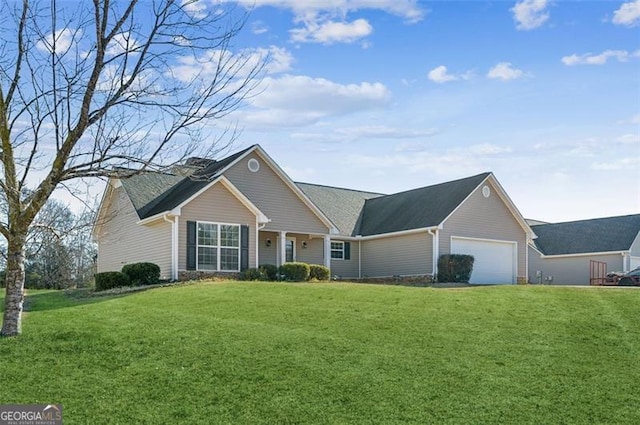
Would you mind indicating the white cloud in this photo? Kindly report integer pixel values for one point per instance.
(63, 39)
(259, 27)
(440, 75)
(530, 14)
(293, 100)
(617, 164)
(601, 59)
(205, 67)
(330, 32)
(505, 71)
(628, 14)
(629, 138)
(121, 43)
(195, 8)
(407, 9)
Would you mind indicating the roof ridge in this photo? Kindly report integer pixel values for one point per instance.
(487, 173)
(586, 220)
(342, 188)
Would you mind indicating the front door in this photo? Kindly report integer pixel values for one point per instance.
(290, 250)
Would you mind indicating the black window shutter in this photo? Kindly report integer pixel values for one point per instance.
(347, 250)
(191, 245)
(244, 248)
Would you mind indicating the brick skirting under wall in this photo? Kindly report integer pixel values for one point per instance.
(201, 275)
(420, 280)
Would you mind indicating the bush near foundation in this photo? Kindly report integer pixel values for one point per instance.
(455, 268)
(142, 273)
(318, 272)
(295, 272)
(110, 280)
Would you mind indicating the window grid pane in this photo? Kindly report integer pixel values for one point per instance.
(207, 234)
(229, 235)
(229, 259)
(337, 250)
(207, 258)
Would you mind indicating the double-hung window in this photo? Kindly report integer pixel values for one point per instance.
(337, 250)
(218, 247)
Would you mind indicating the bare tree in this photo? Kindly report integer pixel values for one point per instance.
(88, 89)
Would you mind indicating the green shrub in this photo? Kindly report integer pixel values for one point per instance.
(318, 272)
(142, 273)
(455, 268)
(252, 274)
(295, 272)
(108, 280)
(269, 272)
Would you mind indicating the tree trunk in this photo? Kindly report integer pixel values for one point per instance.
(14, 295)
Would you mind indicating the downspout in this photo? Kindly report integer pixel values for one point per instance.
(359, 257)
(435, 240)
(174, 243)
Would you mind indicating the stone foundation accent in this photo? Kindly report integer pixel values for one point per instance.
(202, 275)
(522, 280)
(419, 280)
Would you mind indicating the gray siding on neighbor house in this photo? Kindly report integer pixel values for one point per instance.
(635, 246)
(572, 270)
(217, 205)
(485, 218)
(404, 255)
(346, 268)
(121, 241)
(274, 198)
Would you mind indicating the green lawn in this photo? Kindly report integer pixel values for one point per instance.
(331, 353)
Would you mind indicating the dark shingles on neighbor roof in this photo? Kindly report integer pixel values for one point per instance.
(166, 191)
(341, 206)
(417, 208)
(595, 235)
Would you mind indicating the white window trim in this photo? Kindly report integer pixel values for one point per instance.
(331, 250)
(218, 246)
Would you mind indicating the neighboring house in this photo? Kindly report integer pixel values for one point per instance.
(564, 253)
(243, 211)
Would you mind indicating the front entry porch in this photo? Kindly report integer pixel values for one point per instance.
(281, 247)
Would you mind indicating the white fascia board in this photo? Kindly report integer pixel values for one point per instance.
(585, 254)
(390, 234)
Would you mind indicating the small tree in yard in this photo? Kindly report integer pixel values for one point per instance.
(97, 89)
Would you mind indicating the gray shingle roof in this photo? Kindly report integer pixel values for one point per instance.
(147, 186)
(366, 213)
(595, 235)
(341, 206)
(153, 193)
(417, 208)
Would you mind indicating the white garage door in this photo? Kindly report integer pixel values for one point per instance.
(494, 261)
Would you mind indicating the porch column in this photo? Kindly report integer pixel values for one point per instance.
(282, 248)
(327, 251)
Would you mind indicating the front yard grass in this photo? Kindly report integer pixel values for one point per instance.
(267, 353)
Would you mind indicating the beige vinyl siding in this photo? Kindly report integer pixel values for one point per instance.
(313, 253)
(485, 218)
(268, 254)
(274, 198)
(346, 268)
(404, 255)
(572, 270)
(216, 205)
(121, 241)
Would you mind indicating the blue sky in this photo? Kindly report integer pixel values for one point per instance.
(389, 95)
